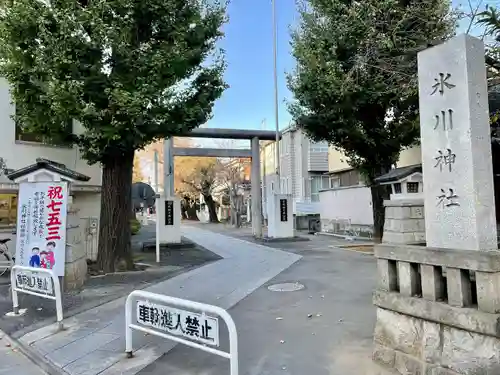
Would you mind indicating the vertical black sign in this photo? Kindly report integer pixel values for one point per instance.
(169, 212)
(283, 210)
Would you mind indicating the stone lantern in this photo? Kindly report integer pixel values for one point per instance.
(404, 211)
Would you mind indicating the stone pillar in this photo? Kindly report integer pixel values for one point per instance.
(75, 270)
(456, 146)
(280, 216)
(168, 213)
(438, 306)
(404, 221)
(256, 190)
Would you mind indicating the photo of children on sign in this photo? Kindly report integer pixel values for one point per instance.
(41, 225)
(45, 258)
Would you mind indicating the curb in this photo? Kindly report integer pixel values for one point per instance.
(352, 250)
(110, 298)
(35, 358)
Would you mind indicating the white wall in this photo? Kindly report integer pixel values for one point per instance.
(354, 203)
(89, 206)
(19, 154)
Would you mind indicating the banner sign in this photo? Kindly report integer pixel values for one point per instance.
(41, 225)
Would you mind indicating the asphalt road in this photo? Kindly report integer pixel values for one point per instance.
(324, 329)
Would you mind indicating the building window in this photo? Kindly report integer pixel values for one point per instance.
(334, 182)
(349, 178)
(26, 136)
(318, 183)
(397, 188)
(8, 210)
(345, 179)
(412, 187)
(319, 146)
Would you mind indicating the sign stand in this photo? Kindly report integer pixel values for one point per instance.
(42, 214)
(35, 290)
(165, 320)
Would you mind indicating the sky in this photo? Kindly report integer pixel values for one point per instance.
(248, 46)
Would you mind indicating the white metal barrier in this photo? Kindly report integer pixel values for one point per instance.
(36, 285)
(160, 316)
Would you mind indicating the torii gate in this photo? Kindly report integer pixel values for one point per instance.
(215, 133)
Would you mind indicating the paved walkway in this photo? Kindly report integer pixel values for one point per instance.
(93, 342)
(326, 328)
(12, 361)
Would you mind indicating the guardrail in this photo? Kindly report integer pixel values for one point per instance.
(197, 325)
(28, 280)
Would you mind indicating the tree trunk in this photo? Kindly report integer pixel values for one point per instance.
(116, 206)
(212, 212)
(379, 194)
(184, 207)
(378, 197)
(191, 213)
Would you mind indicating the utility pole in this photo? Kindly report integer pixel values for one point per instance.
(276, 117)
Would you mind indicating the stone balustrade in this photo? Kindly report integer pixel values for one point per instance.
(457, 278)
(436, 305)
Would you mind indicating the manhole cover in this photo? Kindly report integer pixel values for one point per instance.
(286, 287)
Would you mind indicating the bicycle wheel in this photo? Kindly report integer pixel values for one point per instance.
(5, 263)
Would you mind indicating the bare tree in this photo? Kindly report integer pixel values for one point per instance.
(477, 18)
(231, 177)
(201, 178)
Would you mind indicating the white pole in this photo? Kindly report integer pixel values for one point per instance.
(157, 183)
(157, 237)
(275, 71)
(157, 206)
(265, 188)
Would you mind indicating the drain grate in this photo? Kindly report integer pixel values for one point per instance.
(286, 287)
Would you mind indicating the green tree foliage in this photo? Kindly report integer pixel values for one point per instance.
(355, 84)
(129, 71)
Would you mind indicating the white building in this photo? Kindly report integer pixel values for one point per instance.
(346, 204)
(20, 150)
(303, 164)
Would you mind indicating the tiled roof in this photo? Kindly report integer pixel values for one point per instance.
(49, 165)
(399, 173)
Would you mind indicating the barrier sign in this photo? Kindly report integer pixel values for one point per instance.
(38, 282)
(197, 327)
(182, 321)
(34, 281)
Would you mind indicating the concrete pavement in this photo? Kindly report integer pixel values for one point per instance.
(12, 361)
(324, 329)
(93, 342)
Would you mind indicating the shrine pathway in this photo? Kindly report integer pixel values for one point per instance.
(13, 361)
(324, 329)
(94, 343)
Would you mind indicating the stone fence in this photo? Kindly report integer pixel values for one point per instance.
(437, 310)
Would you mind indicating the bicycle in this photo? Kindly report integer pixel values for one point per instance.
(6, 260)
